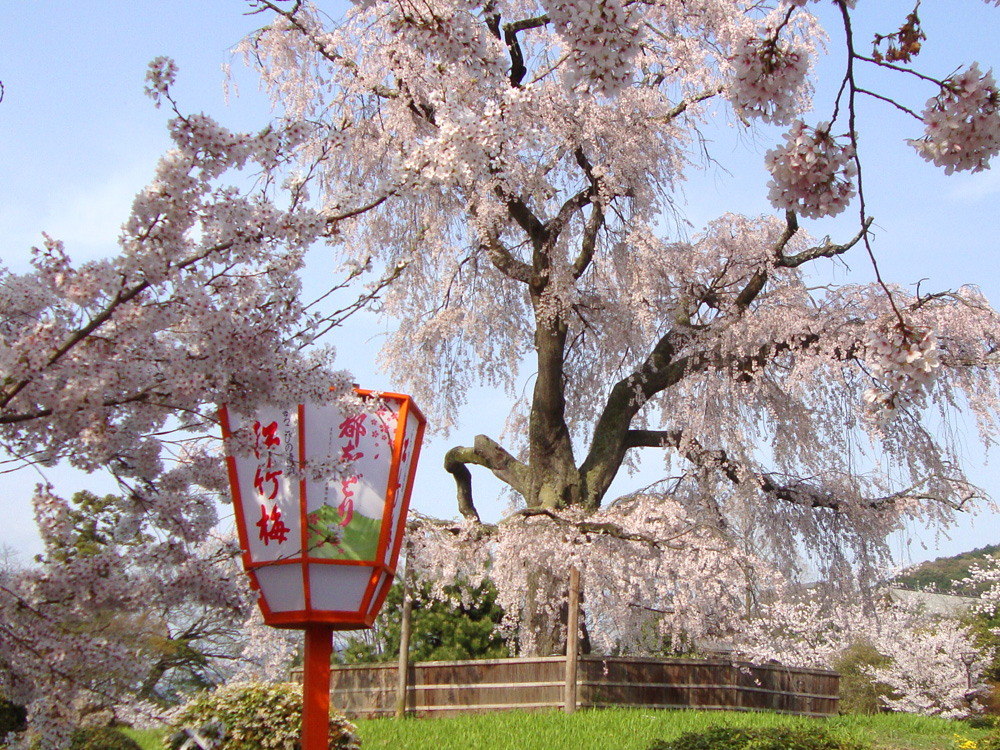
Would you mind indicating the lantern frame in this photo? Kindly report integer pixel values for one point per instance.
(383, 565)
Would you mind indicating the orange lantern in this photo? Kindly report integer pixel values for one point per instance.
(320, 497)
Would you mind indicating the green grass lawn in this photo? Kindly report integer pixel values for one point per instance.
(636, 729)
(629, 729)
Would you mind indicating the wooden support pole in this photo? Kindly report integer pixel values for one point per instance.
(316, 687)
(404, 649)
(572, 640)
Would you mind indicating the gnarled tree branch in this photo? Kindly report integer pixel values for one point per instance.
(491, 455)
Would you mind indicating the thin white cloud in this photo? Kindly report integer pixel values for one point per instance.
(974, 187)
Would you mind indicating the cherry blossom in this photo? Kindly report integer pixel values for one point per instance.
(603, 41)
(929, 670)
(768, 76)
(905, 361)
(962, 123)
(811, 173)
(161, 75)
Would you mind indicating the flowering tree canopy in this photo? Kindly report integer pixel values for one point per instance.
(521, 158)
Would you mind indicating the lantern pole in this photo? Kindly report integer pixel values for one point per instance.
(316, 687)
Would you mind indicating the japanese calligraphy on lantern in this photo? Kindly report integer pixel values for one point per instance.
(267, 483)
(321, 493)
(346, 515)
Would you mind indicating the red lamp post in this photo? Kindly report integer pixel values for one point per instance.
(322, 551)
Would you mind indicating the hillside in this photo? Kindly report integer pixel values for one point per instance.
(941, 574)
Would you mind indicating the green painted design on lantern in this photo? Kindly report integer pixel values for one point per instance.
(327, 539)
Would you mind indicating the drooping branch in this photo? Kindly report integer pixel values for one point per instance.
(605, 528)
(797, 491)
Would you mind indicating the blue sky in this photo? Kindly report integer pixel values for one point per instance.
(78, 139)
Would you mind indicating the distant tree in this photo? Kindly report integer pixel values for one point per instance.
(462, 625)
(948, 574)
(897, 656)
(148, 621)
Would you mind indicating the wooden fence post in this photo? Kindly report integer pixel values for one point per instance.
(572, 639)
(404, 649)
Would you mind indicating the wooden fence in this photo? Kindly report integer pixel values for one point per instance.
(445, 688)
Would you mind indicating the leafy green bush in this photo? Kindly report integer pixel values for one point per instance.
(859, 693)
(254, 716)
(439, 630)
(764, 738)
(102, 738)
(981, 721)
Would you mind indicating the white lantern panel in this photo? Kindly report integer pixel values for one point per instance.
(402, 476)
(282, 587)
(268, 485)
(338, 588)
(344, 513)
(378, 590)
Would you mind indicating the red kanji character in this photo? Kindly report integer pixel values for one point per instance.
(277, 531)
(271, 439)
(346, 507)
(346, 510)
(353, 428)
(270, 434)
(348, 453)
(269, 476)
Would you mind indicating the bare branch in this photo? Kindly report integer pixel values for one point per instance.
(491, 455)
(826, 250)
(588, 243)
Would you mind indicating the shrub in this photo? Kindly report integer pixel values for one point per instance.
(768, 738)
(859, 693)
(981, 721)
(102, 738)
(13, 718)
(254, 716)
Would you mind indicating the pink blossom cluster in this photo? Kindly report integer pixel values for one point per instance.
(962, 123)
(811, 173)
(906, 361)
(161, 75)
(766, 78)
(985, 577)
(639, 590)
(120, 364)
(602, 40)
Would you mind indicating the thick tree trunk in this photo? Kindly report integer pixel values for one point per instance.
(554, 477)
